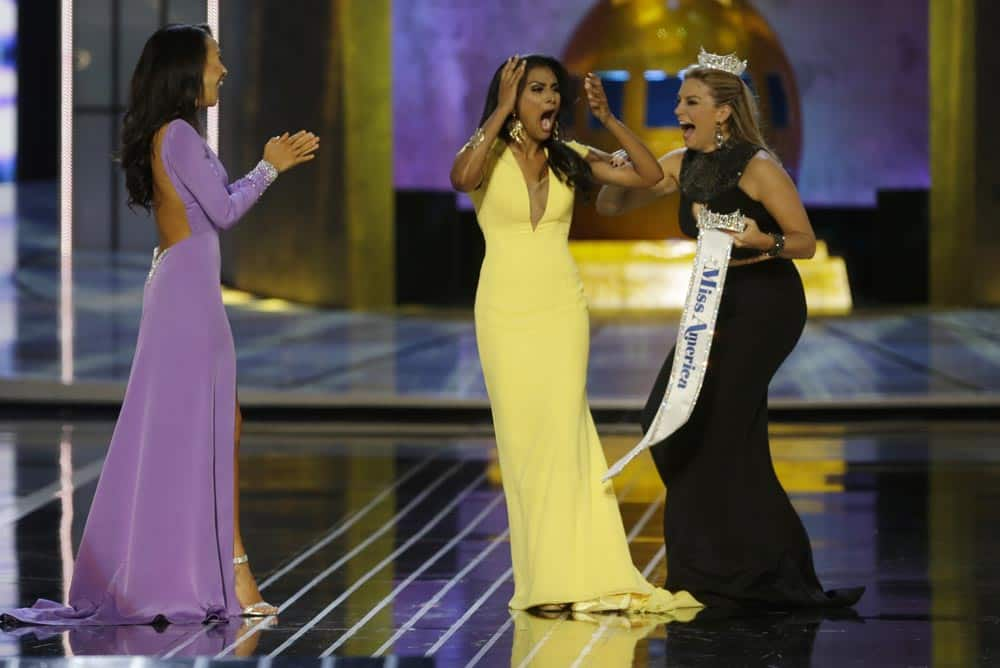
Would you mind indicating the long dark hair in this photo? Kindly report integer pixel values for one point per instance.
(568, 165)
(166, 85)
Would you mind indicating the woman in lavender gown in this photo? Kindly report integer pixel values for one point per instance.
(162, 541)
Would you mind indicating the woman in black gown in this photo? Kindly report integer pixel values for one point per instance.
(731, 533)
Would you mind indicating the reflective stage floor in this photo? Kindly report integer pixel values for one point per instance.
(396, 548)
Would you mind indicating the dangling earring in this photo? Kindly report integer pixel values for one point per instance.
(555, 131)
(516, 130)
(719, 139)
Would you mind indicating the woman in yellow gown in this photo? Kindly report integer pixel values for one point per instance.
(567, 539)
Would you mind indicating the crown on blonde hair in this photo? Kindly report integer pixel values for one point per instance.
(714, 61)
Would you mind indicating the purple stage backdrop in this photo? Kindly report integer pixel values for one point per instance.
(861, 67)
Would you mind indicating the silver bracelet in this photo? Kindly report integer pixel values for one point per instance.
(477, 138)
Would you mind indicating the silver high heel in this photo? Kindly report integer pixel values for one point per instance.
(259, 608)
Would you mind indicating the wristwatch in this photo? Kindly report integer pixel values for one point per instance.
(779, 245)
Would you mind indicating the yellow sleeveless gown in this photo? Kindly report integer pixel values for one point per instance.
(567, 540)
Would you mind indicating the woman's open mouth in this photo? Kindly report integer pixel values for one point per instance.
(687, 129)
(548, 120)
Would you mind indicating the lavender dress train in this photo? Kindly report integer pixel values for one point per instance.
(158, 543)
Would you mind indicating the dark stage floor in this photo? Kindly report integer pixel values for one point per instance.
(395, 547)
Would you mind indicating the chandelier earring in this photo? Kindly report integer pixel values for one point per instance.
(516, 130)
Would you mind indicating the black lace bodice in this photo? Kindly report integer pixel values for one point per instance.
(713, 179)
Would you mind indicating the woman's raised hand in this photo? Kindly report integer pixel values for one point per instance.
(287, 151)
(596, 98)
(510, 78)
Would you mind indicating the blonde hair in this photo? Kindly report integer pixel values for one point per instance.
(728, 89)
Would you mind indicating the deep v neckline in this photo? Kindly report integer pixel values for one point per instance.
(527, 187)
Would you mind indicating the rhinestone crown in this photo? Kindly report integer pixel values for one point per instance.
(709, 220)
(729, 63)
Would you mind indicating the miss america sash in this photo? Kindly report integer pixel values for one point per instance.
(694, 336)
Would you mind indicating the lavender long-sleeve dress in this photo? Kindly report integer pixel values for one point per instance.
(158, 542)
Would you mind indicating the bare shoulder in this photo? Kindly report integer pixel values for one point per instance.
(764, 172)
(671, 162)
(674, 156)
(764, 166)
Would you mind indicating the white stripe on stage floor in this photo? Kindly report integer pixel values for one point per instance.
(331, 535)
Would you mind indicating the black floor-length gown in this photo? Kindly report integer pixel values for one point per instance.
(731, 533)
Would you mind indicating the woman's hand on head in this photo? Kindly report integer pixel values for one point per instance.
(287, 151)
(510, 79)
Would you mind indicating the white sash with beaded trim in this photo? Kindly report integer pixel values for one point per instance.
(694, 335)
